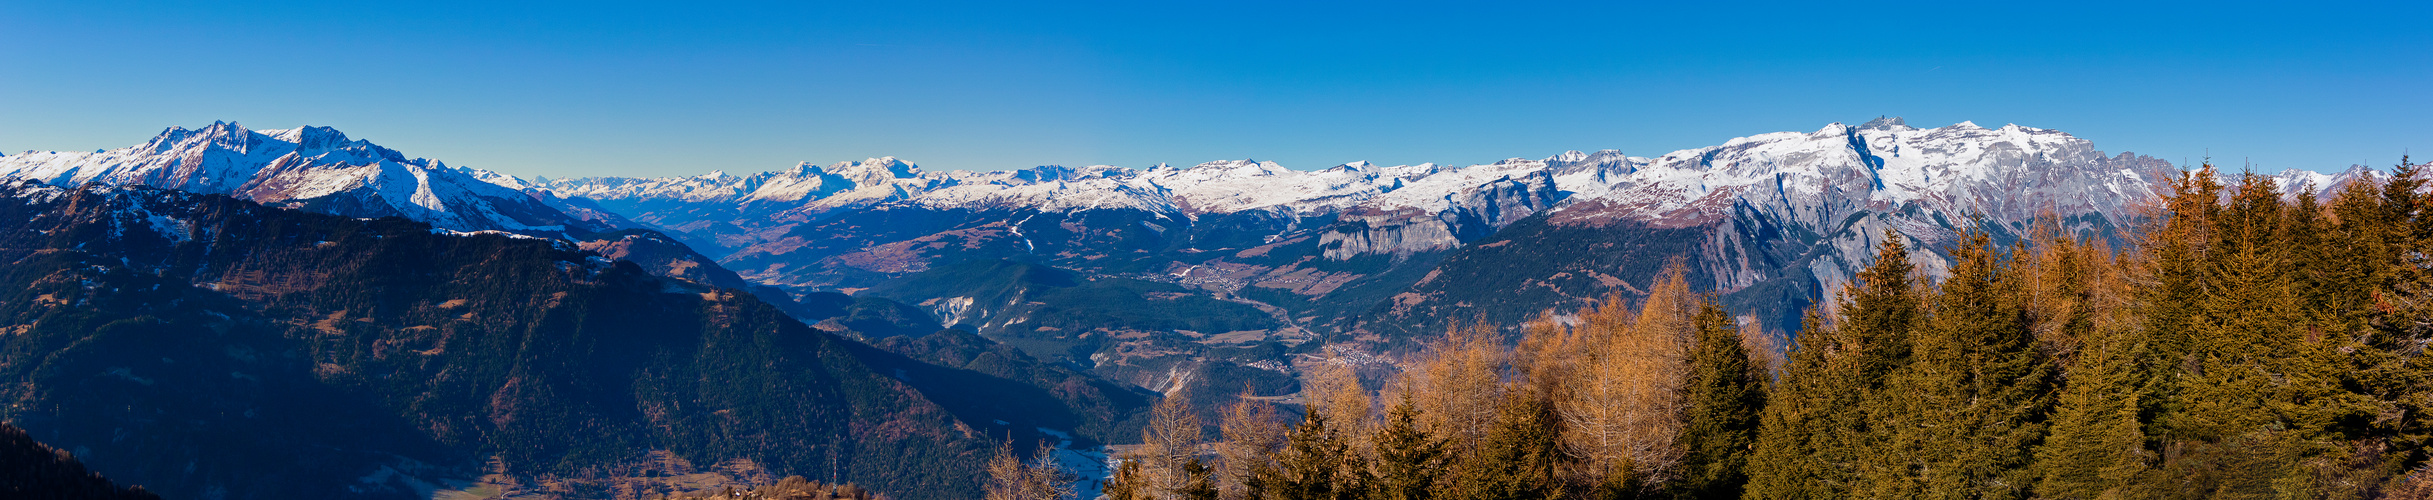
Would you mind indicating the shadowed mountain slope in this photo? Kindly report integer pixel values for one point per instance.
(207, 346)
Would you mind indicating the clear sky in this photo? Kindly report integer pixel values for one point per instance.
(672, 88)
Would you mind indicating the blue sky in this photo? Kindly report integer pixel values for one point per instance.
(663, 88)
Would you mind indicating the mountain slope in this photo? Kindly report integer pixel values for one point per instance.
(29, 469)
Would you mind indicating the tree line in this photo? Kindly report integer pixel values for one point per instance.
(2241, 344)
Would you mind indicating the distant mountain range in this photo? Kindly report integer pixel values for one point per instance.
(309, 168)
(1072, 283)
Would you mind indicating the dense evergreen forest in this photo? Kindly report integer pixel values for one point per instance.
(32, 470)
(2241, 345)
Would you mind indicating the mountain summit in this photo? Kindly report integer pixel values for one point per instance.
(310, 168)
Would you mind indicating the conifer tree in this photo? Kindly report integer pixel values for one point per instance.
(1616, 383)
(1170, 441)
(2389, 361)
(1725, 399)
(2096, 446)
(1519, 457)
(1960, 418)
(2260, 400)
(1795, 435)
(1317, 464)
(1835, 374)
(1200, 481)
(1008, 479)
(1011, 478)
(1458, 383)
(2176, 247)
(1337, 391)
(2240, 318)
(1878, 313)
(1126, 483)
(1247, 457)
(1409, 461)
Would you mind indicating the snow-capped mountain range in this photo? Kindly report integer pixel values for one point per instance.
(1358, 256)
(1806, 180)
(1791, 204)
(311, 168)
(1957, 167)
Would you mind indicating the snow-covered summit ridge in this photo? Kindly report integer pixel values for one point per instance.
(312, 168)
(1212, 187)
(1827, 174)
(1883, 162)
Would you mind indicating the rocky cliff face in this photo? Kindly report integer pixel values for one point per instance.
(1779, 220)
(1389, 234)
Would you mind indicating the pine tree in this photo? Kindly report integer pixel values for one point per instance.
(2096, 447)
(2176, 247)
(2388, 361)
(2260, 403)
(1409, 461)
(1725, 399)
(1519, 457)
(1317, 464)
(1879, 313)
(1795, 436)
(1960, 418)
(1817, 435)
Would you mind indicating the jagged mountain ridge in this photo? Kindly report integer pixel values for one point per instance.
(1354, 250)
(741, 211)
(315, 169)
(1370, 256)
(1776, 221)
(1803, 181)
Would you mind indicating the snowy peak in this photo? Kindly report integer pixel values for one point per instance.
(312, 138)
(1882, 162)
(876, 171)
(2294, 183)
(312, 168)
(1847, 185)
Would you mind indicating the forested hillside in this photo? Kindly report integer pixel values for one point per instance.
(30, 470)
(210, 347)
(2245, 345)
